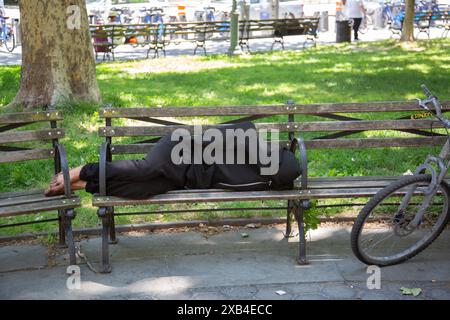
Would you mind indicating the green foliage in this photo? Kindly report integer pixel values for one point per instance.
(311, 216)
(340, 73)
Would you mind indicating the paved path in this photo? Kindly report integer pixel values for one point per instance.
(126, 52)
(188, 265)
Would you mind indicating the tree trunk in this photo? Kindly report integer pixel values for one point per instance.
(408, 23)
(58, 64)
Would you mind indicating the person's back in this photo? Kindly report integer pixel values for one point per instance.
(353, 9)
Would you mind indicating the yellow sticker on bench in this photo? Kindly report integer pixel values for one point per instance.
(421, 115)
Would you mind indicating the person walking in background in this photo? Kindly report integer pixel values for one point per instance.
(2, 9)
(354, 9)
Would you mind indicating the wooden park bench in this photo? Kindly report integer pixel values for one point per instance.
(158, 36)
(106, 38)
(200, 33)
(36, 143)
(423, 21)
(441, 19)
(277, 29)
(305, 127)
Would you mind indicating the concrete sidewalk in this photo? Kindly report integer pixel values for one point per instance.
(192, 265)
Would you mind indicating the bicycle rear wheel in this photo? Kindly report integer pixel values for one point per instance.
(382, 234)
(10, 42)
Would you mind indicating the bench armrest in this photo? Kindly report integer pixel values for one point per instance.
(299, 143)
(105, 152)
(61, 155)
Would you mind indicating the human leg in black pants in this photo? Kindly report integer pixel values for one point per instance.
(122, 180)
(155, 174)
(356, 24)
(131, 186)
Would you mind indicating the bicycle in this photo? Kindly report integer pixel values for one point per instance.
(415, 208)
(7, 36)
(366, 23)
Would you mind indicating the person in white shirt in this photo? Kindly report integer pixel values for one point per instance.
(354, 9)
(2, 8)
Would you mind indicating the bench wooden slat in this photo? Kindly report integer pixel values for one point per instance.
(374, 143)
(408, 142)
(317, 126)
(35, 154)
(393, 106)
(238, 196)
(25, 117)
(143, 148)
(225, 196)
(43, 206)
(310, 126)
(5, 195)
(23, 136)
(31, 198)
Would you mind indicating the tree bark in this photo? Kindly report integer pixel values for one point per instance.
(58, 64)
(408, 23)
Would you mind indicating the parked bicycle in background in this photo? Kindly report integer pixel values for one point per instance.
(7, 35)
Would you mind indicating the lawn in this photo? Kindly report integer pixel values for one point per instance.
(325, 74)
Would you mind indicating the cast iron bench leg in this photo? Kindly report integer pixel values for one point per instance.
(62, 232)
(112, 227)
(301, 234)
(69, 215)
(103, 214)
(288, 219)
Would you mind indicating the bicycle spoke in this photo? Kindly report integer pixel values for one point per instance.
(385, 240)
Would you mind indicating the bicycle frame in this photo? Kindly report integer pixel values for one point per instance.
(442, 162)
(4, 30)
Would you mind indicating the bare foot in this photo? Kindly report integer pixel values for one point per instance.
(54, 189)
(57, 183)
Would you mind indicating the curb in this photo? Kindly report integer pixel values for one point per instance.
(169, 225)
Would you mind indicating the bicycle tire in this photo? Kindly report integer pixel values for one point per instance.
(7, 44)
(377, 199)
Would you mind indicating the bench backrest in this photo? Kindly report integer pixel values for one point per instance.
(116, 34)
(292, 120)
(20, 145)
(281, 27)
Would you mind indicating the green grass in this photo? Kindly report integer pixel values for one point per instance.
(341, 73)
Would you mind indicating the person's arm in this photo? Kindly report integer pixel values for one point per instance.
(363, 9)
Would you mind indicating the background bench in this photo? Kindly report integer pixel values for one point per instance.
(277, 29)
(158, 36)
(323, 126)
(423, 21)
(38, 142)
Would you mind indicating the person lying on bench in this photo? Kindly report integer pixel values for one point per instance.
(157, 173)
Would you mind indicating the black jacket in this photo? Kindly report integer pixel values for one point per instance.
(227, 176)
(157, 173)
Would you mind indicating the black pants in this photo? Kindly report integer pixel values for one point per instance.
(127, 179)
(356, 24)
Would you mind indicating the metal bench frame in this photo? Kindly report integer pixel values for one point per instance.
(298, 199)
(34, 201)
